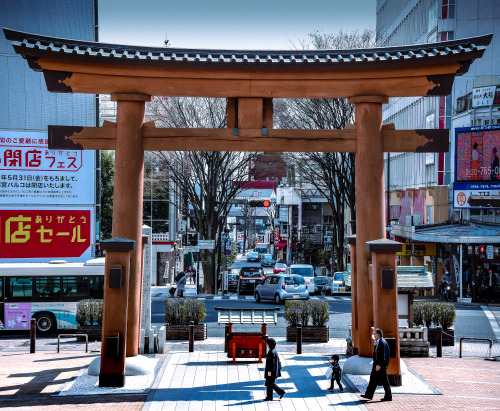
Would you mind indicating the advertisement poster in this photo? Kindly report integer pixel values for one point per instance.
(31, 173)
(463, 191)
(17, 316)
(41, 235)
(477, 154)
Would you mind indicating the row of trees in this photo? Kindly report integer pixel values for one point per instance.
(208, 180)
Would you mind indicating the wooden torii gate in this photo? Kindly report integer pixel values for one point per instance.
(249, 80)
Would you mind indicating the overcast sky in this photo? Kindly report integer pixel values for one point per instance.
(229, 24)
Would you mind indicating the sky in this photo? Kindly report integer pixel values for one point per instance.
(228, 24)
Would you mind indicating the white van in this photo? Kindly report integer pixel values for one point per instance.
(306, 271)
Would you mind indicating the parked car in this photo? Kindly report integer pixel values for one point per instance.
(320, 284)
(306, 271)
(282, 287)
(268, 260)
(335, 284)
(252, 256)
(249, 278)
(279, 268)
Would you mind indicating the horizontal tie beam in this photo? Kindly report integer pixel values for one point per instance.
(252, 140)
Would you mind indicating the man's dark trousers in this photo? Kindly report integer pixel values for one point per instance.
(376, 378)
(271, 386)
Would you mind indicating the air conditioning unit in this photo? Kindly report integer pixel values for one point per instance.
(417, 219)
(409, 220)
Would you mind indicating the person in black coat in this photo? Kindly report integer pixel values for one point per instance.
(272, 371)
(381, 357)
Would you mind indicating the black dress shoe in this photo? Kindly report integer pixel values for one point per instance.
(267, 399)
(386, 399)
(281, 396)
(366, 396)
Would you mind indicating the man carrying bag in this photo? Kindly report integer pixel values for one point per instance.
(381, 357)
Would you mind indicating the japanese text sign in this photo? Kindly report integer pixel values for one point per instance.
(44, 233)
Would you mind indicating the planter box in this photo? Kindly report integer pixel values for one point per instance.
(93, 331)
(448, 336)
(181, 332)
(309, 334)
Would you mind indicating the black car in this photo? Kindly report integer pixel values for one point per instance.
(232, 282)
(250, 277)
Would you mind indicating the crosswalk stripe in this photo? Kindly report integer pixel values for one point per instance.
(249, 297)
(217, 297)
(233, 297)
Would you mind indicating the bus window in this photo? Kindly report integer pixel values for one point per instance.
(19, 289)
(48, 288)
(75, 288)
(97, 287)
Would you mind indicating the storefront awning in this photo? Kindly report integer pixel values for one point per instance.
(472, 233)
(281, 245)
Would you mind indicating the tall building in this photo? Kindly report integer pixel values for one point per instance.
(423, 194)
(48, 198)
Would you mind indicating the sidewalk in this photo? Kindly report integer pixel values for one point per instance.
(207, 380)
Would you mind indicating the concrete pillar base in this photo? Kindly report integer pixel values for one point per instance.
(138, 365)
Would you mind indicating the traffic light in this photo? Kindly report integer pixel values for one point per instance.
(259, 203)
(97, 250)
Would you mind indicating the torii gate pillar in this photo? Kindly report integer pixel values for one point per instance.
(127, 202)
(370, 215)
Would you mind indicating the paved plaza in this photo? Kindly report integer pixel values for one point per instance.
(207, 380)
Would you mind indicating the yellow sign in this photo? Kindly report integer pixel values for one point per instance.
(418, 249)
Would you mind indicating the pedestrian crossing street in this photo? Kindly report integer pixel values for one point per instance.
(251, 297)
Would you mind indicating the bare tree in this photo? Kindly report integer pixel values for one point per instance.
(207, 180)
(332, 174)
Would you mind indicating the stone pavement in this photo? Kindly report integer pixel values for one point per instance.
(206, 380)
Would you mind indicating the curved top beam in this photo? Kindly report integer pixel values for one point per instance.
(90, 67)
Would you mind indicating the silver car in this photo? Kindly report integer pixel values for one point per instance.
(282, 287)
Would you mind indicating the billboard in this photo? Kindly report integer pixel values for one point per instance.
(31, 173)
(41, 235)
(477, 151)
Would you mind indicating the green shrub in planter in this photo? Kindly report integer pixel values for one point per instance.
(319, 313)
(180, 311)
(428, 314)
(445, 315)
(418, 314)
(292, 313)
(173, 311)
(194, 310)
(89, 312)
(305, 312)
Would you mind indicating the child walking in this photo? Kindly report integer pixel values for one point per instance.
(337, 373)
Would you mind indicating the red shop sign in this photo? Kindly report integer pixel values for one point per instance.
(44, 233)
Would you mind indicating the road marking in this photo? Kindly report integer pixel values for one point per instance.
(314, 298)
(249, 297)
(233, 297)
(217, 297)
(493, 321)
(346, 298)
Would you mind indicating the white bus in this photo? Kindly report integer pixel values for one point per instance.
(47, 292)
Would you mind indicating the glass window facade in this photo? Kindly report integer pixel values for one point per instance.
(25, 103)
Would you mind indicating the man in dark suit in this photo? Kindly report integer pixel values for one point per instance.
(381, 357)
(272, 371)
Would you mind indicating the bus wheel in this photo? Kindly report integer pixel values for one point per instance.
(45, 322)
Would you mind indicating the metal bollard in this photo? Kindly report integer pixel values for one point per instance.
(439, 341)
(191, 336)
(299, 338)
(32, 335)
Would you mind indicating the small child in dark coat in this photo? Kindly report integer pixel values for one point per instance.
(337, 373)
